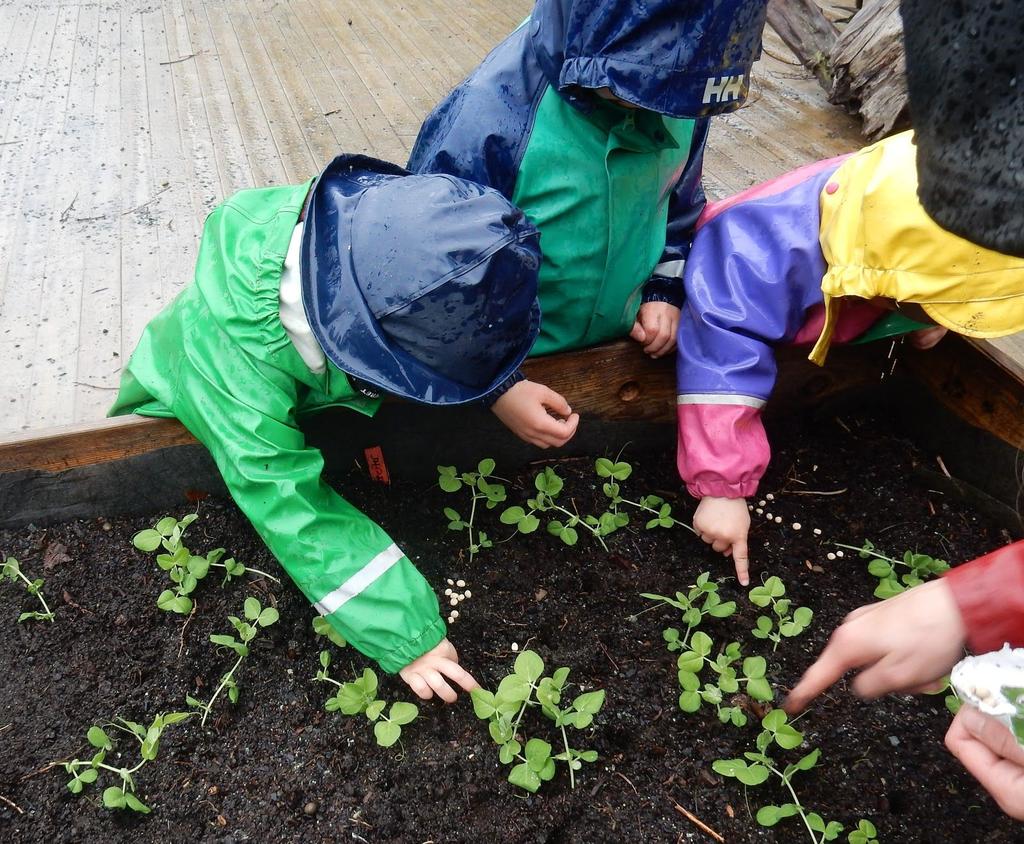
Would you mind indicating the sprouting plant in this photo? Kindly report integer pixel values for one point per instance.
(12, 571)
(751, 674)
(658, 510)
(700, 600)
(360, 696)
(865, 833)
(504, 709)
(757, 767)
(256, 617)
(86, 772)
(787, 622)
(184, 568)
(322, 627)
(483, 489)
(920, 567)
(549, 485)
(950, 698)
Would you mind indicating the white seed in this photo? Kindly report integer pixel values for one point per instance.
(455, 613)
(770, 497)
(468, 594)
(830, 556)
(461, 598)
(817, 531)
(515, 646)
(460, 583)
(453, 601)
(814, 468)
(759, 511)
(451, 582)
(448, 592)
(750, 506)
(778, 520)
(761, 503)
(839, 553)
(797, 525)
(769, 516)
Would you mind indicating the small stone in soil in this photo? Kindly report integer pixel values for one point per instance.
(311, 807)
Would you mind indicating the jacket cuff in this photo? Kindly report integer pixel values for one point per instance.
(989, 592)
(661, 289)
(502, 388)
(394, 661)
(722, 489)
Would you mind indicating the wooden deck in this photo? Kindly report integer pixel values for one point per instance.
(123, 123)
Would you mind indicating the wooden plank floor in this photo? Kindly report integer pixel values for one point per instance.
(123, 122)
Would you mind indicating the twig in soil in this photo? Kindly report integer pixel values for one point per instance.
(42, 770)
(13, 805)
(628, 781)
(814, 491)
(604, 650)
(843, 425)
(71, 603)
(697, 822)
(67, 211)
(6, 727)
(181, 636)
(942, 466)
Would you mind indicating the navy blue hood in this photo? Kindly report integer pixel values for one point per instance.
(423, 286)
(680, 58)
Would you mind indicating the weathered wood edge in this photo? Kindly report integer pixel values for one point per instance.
(614, 382)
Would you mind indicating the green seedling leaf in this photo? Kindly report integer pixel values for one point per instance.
(386, 733)
(537, 754)
(771, 815)
(323, 627)
(501, 731)
(508, 752)
(888, 588)
(529, 665)
(97, 737)
(514, 687)
(374, 710)
(267, 616)
(113, 797)
(147, 540)
(689, 701)
(405, 713)
(136, 805)
(483, 703)
(448, 479)
(760, 689)
(754, 667)
(524, 778)
(880, 568)
(251, 608)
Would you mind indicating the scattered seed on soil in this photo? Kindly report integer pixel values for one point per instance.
(830, 556)
(468, 594)
(797, 525)
(839, 553)
(515, 646)
(460, 583)
(778, 520)
(770, 496)
(817, 531)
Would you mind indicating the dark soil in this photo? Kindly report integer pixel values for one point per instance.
(277, 767)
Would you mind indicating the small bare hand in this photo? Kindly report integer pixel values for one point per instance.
(655, 328)
(426, 674)
(724, 523)
(903, 644)
(537, 415)
(990, 752)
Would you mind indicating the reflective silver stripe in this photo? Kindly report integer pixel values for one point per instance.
(670, 269)
(718, 398)
(360, 580)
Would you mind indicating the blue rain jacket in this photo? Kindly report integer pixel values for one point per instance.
(523, 120)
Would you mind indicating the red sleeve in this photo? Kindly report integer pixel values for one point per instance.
(989, 592)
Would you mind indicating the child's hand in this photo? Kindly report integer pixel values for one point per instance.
(655, 328)
(991, 753)
(925, 338)
(902, 644)
(536, 414)
(426, 675)
(724, 523)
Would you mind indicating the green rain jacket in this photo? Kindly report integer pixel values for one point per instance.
(219, 360)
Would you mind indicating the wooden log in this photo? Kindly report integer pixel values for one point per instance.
(868, 66)
(803, 28)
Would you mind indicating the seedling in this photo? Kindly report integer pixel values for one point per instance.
(123, 796)
(658, 510)
(322, 627)
(483, 489)
(360, 697)
(751, 674)
(12, 571)
(256, 618)
(548, 485)
(526, 687)
(919, 568)
(787, 622)
(184, 568)
(756, 768)
(865, 833)
(700, 600)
